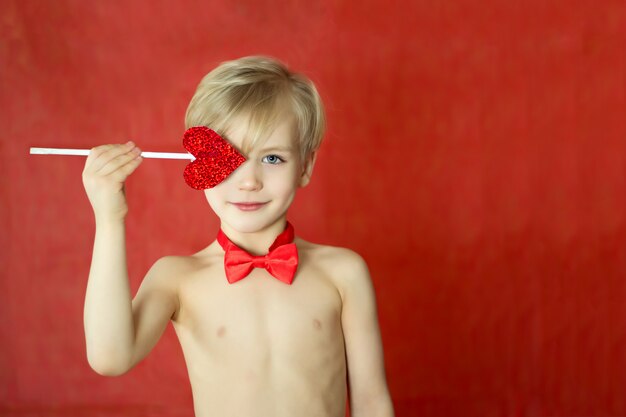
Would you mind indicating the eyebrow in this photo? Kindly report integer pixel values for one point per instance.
(277, 148)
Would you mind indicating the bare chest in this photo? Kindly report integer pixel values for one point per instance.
(261, 312)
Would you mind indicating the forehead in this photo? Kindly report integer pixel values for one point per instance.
(240, 134)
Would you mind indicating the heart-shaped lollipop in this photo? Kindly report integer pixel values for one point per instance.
(215, 159)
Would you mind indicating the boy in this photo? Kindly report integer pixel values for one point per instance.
(261, 337)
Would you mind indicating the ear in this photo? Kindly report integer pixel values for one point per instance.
(307, 169)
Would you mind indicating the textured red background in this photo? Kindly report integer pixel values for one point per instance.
(475, 157)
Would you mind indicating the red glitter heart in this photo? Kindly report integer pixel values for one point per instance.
(215, 159)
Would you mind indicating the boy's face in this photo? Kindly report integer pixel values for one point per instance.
(270, 175)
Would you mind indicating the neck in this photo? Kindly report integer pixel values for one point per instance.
(258, 242)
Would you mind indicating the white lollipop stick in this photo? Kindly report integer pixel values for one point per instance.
(85, 152)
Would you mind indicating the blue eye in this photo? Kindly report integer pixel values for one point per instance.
(273, 159)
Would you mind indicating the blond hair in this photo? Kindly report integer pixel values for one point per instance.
(264, 89)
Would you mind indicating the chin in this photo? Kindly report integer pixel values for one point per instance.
(245, 223)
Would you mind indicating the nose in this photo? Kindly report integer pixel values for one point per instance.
(249, 177)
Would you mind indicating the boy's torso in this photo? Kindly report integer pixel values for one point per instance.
(260, 347)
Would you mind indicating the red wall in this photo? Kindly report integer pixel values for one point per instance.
(475, 157)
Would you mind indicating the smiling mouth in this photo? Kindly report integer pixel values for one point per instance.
(249, 206)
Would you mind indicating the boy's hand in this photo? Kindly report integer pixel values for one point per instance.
(106, 169)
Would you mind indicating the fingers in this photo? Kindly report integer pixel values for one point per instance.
(115, 161)
(122, 172)
(97, 154)
(101, 155)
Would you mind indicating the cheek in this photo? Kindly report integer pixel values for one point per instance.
(283, 181)
(213, 198)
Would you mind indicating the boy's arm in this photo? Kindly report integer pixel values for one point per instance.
(118, 331)
(369, 394)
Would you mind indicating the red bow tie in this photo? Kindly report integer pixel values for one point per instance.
(281, 261)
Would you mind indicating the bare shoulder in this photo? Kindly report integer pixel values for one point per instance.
(167, 275)
(178, 266)
(170, 271)
(341, 260)
(164, 277)
(344, 266)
